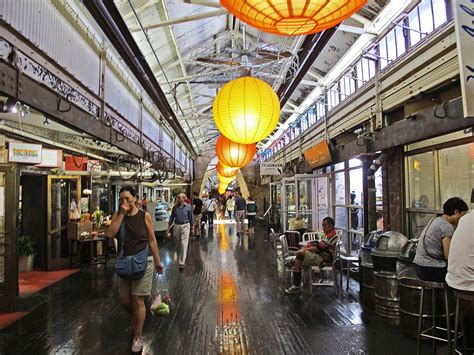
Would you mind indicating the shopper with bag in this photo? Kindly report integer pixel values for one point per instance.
(137, 259)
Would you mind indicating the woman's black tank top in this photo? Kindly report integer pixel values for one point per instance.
(136, 235)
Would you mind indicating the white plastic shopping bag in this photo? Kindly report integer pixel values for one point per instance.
(160, 298)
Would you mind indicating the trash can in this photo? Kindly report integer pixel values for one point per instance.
(387, 250)
(384, 258)
(366, 269)
(409, 289)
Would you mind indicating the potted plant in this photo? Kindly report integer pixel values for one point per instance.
(27, 252)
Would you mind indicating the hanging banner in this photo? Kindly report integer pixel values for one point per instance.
(271, 169)
(318, 155)
(464, 25)
(24, 153)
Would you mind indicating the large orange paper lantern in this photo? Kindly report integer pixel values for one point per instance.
(293, 17)
(234, 154)
(246, 110)
(225, 180)
(226, 171)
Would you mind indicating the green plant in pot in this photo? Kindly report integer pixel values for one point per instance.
(27, 252)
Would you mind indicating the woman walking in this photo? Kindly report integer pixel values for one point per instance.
(136, 233)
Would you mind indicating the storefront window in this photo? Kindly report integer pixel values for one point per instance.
(354, 163)
(340, 186)
(341, 217)
(456, 172)
(421, 181)
(434, 177)
(356, 188)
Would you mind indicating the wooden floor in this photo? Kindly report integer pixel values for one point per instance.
(228, 300)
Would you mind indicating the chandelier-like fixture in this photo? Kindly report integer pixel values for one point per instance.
(293, 17)
(246, 110)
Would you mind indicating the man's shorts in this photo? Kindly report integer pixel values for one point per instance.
(140, 287)
(240, 216)
(197, 219)
(312, 259)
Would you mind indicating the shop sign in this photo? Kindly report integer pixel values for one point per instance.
(271, 169)
(51, 158)
(318, 155)
(464, 25)
(24, 153)
(94, 166)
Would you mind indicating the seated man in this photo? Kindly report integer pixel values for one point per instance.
(460, 274)
(319, 254)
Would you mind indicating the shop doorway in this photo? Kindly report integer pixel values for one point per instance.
(306, 196)
(8, 240)
(61, 191)
(33, 221)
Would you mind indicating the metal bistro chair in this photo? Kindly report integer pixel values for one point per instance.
(324, 281)
(287, 256)
(293, 238)
(274, 247)
(309, 236)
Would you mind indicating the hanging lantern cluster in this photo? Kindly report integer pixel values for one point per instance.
(293, 17)
(245, 111)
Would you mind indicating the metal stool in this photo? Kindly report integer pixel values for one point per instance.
(433, 286)
(461, 295)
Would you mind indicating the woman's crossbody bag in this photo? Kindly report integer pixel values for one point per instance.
(130, 267)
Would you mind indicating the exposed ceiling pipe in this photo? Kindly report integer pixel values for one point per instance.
(203, 3)
(312, 47)
(106, 14)
(175, 21)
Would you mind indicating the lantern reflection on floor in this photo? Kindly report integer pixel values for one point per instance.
(230, 329)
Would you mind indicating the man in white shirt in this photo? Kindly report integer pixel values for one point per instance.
(460, 274)
(461, 255)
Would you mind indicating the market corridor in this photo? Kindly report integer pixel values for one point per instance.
(228, 300)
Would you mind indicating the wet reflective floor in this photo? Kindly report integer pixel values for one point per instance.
(228, 300)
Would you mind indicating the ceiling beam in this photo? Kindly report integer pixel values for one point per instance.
(311, 50)
(179, 20)
(111, 22)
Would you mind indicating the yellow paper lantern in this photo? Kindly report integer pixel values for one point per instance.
(221, 188)
(246, 110)
(225, 170)
(225, 180)
(293, 17)
(234, 154)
